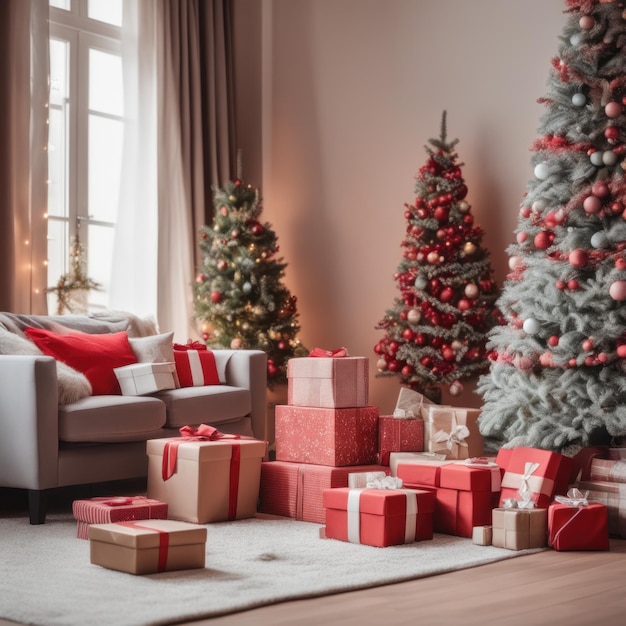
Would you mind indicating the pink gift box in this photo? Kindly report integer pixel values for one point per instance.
(325, 436)
(613, 496)
(379, 517)
(296, 489)
(544, 473)
(399, 435)
(107, 510)
(608, 469)
(578, 527)
(328, 382)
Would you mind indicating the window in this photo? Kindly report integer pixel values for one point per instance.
(85, 139)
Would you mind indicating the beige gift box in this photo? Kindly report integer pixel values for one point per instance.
(139, 379)
(147, 546)
(207, 483)
(452, 431)
(519, 529)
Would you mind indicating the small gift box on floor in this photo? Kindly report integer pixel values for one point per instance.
(481, 535)
(115, 509)
(326, 436)
(452, 431)
(140, 379)
(379, 517)
(296, 489)
(204, 475)
(613, 496)
(574, 523)
(519, 529)
(322, 380)
(148, 546)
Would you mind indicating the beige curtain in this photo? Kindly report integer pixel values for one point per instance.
(23, 155)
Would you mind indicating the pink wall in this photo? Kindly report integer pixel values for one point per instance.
(349, 93)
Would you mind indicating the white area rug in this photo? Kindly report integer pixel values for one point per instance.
(46, 577)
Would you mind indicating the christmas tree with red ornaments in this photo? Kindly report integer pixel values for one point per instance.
(241, 301)
(558, 376)
(435, 332)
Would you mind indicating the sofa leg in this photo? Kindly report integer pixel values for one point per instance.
(37, 504)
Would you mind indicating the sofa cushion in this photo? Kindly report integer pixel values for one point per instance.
(212, 404)
(111, 418)
(153, 348)
(93, 355)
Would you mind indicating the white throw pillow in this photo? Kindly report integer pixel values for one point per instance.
(154, 348)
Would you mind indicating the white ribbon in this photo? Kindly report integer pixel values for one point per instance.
(575, 497)
(524, 488)
(456, 436)
(197, 375)
(385, 482)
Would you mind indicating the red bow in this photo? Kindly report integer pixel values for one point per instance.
(190, 345)
(319, 352)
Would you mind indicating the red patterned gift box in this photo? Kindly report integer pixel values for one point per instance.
(296, 489)
(399, 435)
(206, 480)
(379, 517)
(576, 524)
(452, 431)
(609, 470)
(115, 509)
(325, 436)
(330, 382)
(613, 496)
(148, 546)
(538, 474)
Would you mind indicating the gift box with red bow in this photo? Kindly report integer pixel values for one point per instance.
(296, 489)
(336, 381)
(326, 436)
(195, 365)
(204, 475)
(105, 510)
(574, 523)
(452, 431)
(148, 546)
(379, 517)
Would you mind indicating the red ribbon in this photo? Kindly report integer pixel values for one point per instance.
(115, 501)
(190, 345)
(337, 353)
(164, 542)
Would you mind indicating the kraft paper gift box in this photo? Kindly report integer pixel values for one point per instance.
(481, 535)
(608, 470)
(325, 436)
(296, 489)
(330, 382)
(540, 474)
(399, 435)
(148, 546)
(212, 481)
(519, 529)
(576, 524)
(106, 510)
(143, 378)
(379, 517)
(613, 496)
(452, 431)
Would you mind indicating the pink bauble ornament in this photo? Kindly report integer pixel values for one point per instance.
(235, 344)
(521, 237)
(381, 365)
(613, 109)
(592, 204)
(553, 341)
(542, 240)
(471, 291)
(617, 290)
(414, 316)
(525, 211)
(586, 22)
(456, 388)
(433, 257)
(546, 359)
(560, 285)
(463, 304)
(600, 189)
(573, 284)
(587, 345)
(224, 211)
(620, 264)
(578, 258)
(621, 351)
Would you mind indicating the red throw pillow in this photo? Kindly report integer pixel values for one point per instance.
(93, 355)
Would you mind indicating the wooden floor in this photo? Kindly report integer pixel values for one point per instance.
(569, 588)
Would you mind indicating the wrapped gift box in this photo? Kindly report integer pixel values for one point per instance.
(581, 462)
(578, 527)
(613, 496)
(452, 431)
(399, 435)
(213, 481)
(416, 468)
(147, 546)
(541, 473)
(617, 454)
(325, 436)
(115, 509)
(296, 489)
(195, 365)
(481, 535)
(143, 378)
(328, 382)
(379, 517)
(608, 470)
(519, 529)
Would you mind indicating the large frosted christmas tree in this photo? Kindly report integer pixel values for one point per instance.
(241, 300)
(435, 332)
(558, 375)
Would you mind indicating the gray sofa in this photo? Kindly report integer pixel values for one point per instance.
(48, 440)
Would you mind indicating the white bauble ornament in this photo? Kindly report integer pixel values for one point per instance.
(579, 99)
(539, 205)
(609, 157)
(515, 262)
(421, 282)
(531, 326)
(414, 316)
(596, 158)
(542, 171)
(456, 388)
(246, 287)
(599, 240)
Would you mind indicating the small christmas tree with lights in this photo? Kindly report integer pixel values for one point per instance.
(241, 301)
(435, 333)
(558, 376)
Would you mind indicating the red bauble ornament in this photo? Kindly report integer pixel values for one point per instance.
(448, 353)
(407, 370)
(420, 339)
(283, 345)
(553, 341)
(611, 133)
(441, 214)
(447, 293)
(272, 370)
(408, 334)
(426, 361)
(542, 240)
(621, 351)
(216, 297)
(620, 264)
(578, 258)
(573, 284)
(463, 304)
(393, 348)
(256, 229)
(393, 366)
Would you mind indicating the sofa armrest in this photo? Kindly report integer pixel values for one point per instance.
(247, 369)
(29, 428)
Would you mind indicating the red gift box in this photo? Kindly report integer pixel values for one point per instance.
(613, 496)
(578, 527)
(296, 489)
(540, 474)
(416, 468)
(325, 436)
(195, 365)
(379, 517)
(111, 509)
(399, 435)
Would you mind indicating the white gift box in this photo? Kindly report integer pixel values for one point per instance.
(142, 378)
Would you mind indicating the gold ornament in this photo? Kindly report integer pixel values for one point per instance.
(469, 248)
